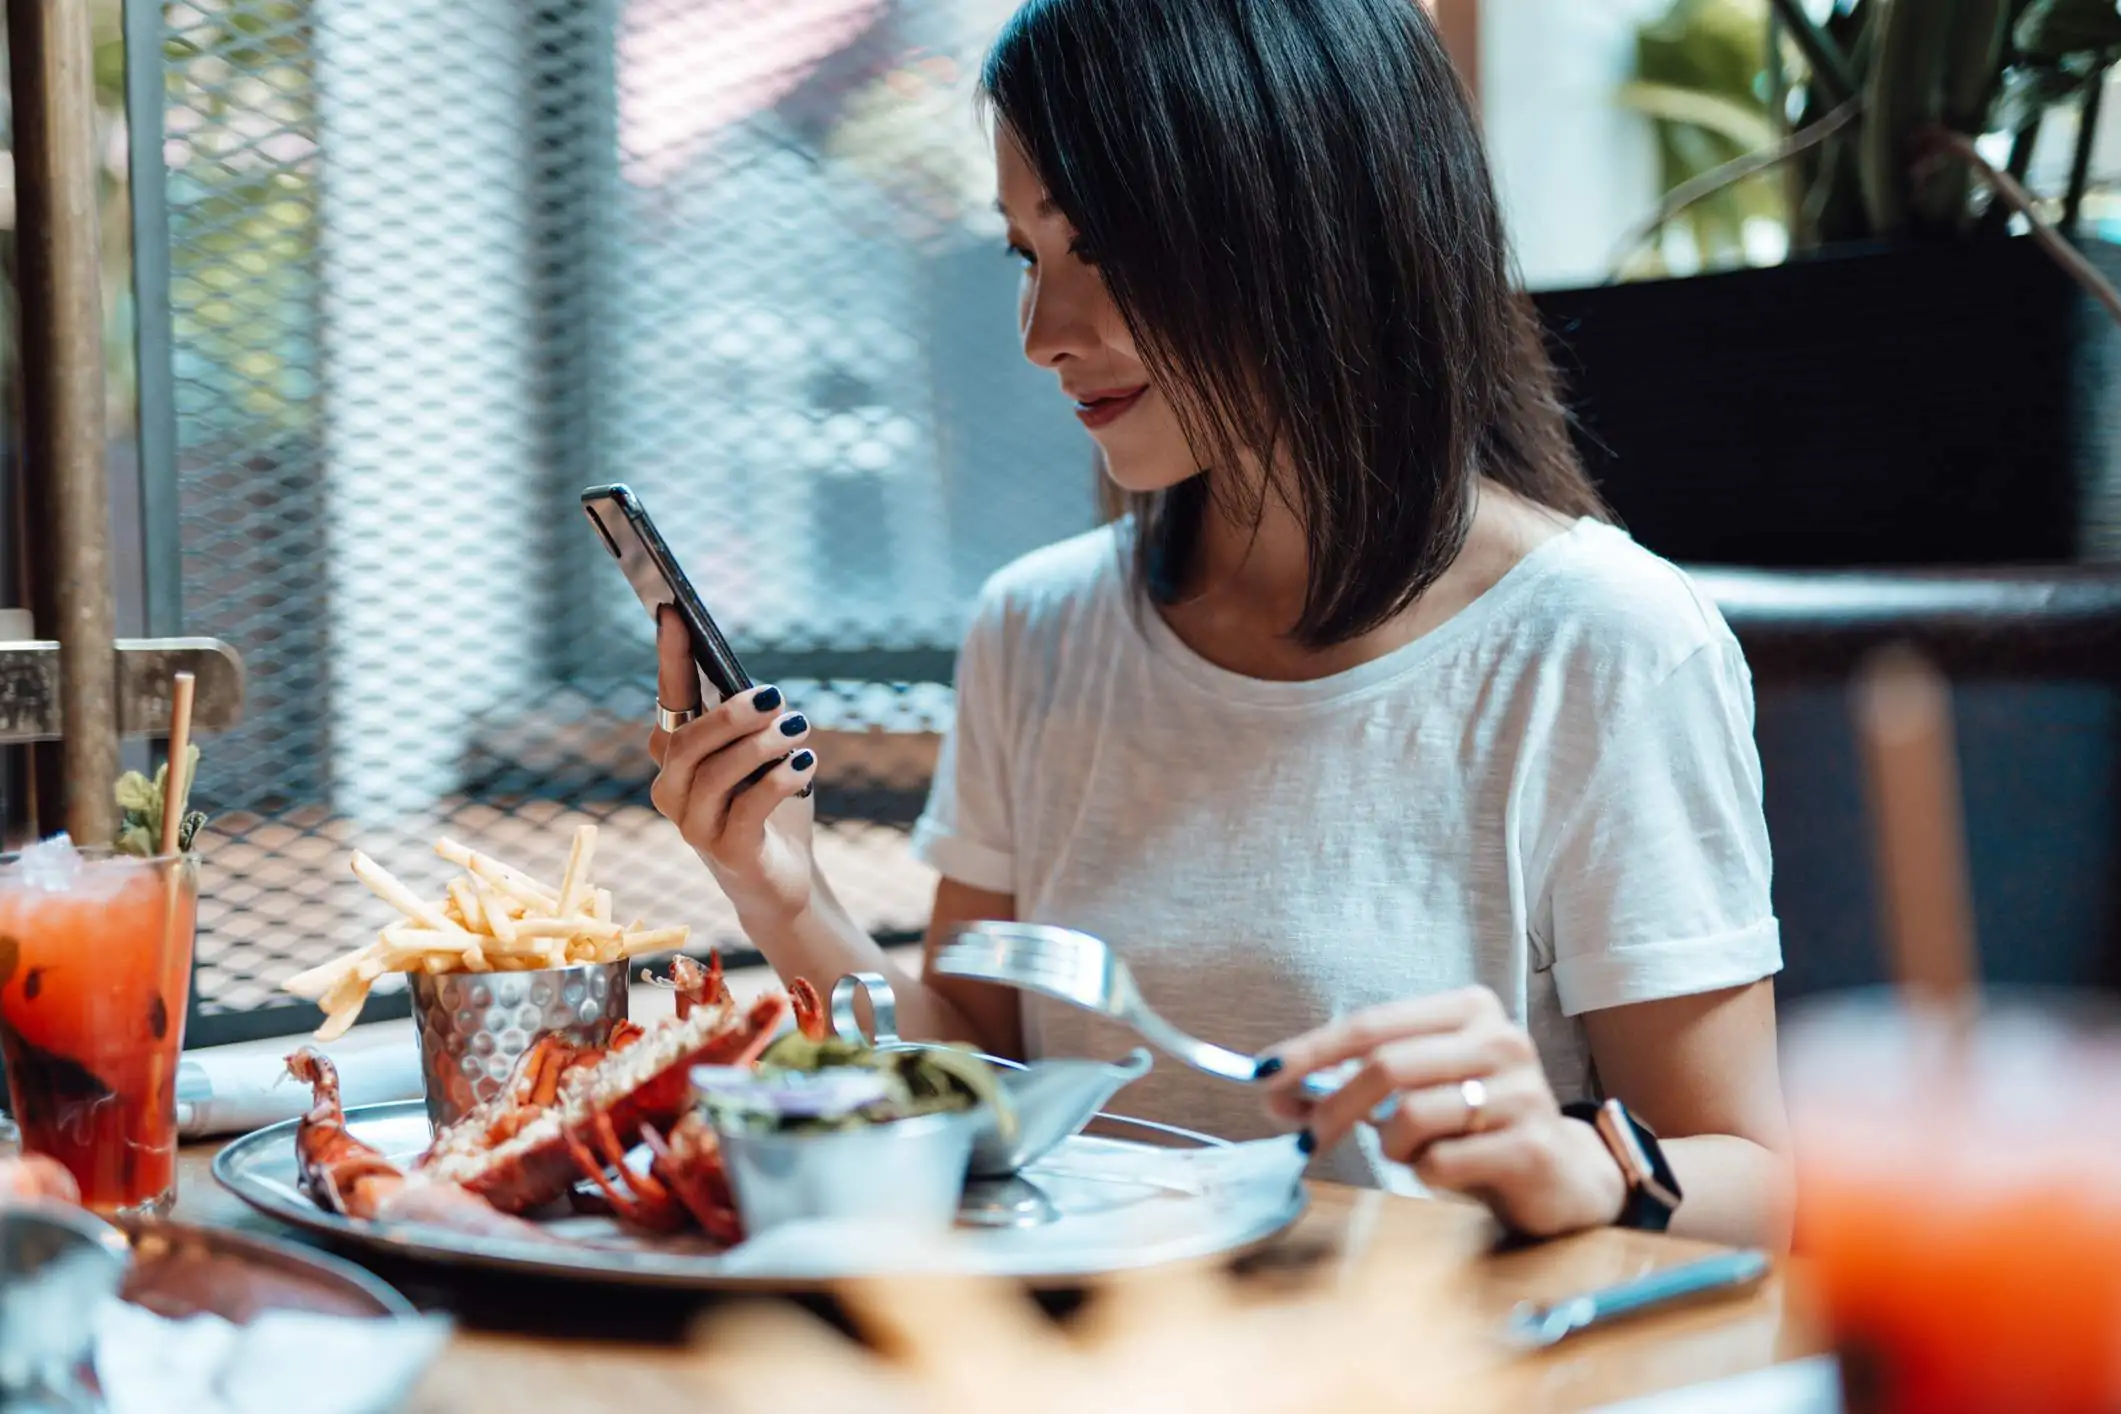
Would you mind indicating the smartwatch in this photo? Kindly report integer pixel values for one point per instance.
(1653, 1194)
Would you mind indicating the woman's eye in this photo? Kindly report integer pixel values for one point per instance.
(1021, 256)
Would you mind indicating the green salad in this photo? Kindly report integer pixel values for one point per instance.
(806, 1085)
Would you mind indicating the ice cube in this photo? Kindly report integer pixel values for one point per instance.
(53, 865)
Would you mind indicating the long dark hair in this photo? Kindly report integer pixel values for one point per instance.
(1290, 204)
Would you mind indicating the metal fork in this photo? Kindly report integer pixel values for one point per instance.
(1084, 972)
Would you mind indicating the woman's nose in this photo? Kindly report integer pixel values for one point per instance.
(1059, 315)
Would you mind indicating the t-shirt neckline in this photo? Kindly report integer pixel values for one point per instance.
(1173, 652)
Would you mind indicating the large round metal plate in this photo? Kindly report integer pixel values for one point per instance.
(1119, 1206)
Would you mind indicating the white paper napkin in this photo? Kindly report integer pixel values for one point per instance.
(235, 1089)
(283, 1360)
(1190, 1172)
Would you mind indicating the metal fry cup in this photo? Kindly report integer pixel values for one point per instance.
(474, 1026)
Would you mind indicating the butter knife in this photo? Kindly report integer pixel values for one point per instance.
(1534, 1327)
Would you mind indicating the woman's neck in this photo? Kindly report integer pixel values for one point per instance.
(1244, 588)
(1257, 568)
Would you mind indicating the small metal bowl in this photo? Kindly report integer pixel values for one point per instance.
(907, 1173)
(1053, 1098)
(474, 1026)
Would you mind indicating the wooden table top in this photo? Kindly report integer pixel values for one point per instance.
(554, 1345)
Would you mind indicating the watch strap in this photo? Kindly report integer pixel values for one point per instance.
(1653, 1191)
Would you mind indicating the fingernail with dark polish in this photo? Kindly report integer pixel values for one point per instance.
(1268, 1068)
(1306, 1142)
(794, 724)
(803, 760)
(766, 699)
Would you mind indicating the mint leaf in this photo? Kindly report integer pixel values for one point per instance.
(140, 810)
(136, 839)
(136, 792)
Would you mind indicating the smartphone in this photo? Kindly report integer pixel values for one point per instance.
(623, 524)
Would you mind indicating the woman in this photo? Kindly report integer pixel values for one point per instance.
(1360, 700)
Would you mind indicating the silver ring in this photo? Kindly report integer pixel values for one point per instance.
(670, 721)
(1475, 1093)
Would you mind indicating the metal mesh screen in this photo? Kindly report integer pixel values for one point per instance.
(437, 264)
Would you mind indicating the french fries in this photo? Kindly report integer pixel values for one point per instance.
(493, 918)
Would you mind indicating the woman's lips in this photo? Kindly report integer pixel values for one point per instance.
(1103, 408)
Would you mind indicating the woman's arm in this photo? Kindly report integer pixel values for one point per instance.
(1702, 1072)
(754, 832)
(823, 942)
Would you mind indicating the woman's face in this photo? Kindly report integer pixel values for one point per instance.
(1071, 326)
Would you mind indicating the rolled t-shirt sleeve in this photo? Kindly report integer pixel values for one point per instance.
(964, 833)
(1658, 874)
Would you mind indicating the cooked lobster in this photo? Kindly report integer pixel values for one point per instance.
(567, 1112)
(519, 1161)
(344, 1175)
(684, 1183)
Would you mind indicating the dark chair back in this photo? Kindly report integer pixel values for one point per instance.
(2035, 662)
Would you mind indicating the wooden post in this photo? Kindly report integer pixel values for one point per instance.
(1458, 21)
(51, 59)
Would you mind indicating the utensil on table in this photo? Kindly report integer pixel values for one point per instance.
(1534, 1327)
(1053, 1099)
(59, 1264)
(1083, 971)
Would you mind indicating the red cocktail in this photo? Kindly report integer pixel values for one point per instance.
(1959, 1205)
(95, 978)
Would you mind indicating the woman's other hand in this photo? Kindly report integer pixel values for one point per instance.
(1429, 1059)
(755, 838)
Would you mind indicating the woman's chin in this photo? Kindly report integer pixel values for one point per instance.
(1141, 476)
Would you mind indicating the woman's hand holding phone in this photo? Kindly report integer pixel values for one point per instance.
(756, 837)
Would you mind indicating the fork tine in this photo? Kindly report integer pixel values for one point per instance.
(1011, 968)
(1015, 946)
(1045, 974)
(1080, 970)
(1027, 935)
(1011, 957)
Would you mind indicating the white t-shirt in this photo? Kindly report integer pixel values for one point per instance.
(1554, 793)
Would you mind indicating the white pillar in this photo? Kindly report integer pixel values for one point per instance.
(1575, 168)
(427, 388)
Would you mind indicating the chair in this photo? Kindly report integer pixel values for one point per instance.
(2035, 661)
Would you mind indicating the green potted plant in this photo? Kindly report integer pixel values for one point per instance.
(1930, 375)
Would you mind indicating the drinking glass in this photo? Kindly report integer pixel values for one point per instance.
(1959, 1201)
(95, 980)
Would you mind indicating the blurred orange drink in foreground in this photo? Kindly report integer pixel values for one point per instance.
(1959, 1203)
